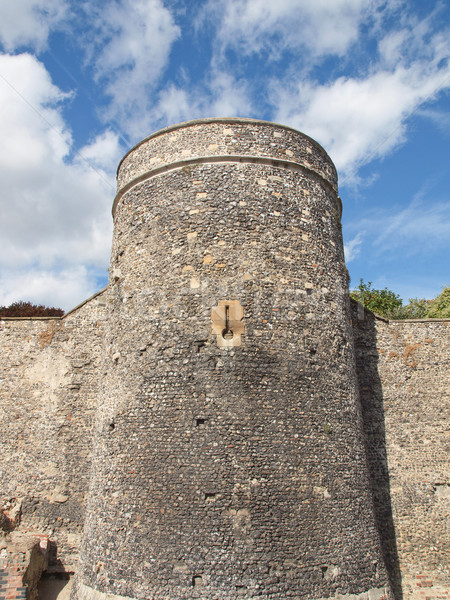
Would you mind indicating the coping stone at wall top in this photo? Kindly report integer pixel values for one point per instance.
(229, 120)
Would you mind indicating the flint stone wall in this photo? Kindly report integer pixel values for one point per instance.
(212, 139)
(404, 376)
(49, 381)
(52, 371)
(229, 472)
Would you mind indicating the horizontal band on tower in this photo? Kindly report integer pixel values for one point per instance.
(237, 159)
(228, 121)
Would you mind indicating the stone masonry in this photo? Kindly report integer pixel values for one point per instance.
(237, 450)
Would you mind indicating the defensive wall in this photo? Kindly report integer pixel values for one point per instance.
(139, 371)
(49, 381)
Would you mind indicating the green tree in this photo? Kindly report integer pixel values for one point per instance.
(415, 309)
(388, 304)
(382, 302)
(439, 308)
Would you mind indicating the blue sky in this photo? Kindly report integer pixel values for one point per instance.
(81, 82)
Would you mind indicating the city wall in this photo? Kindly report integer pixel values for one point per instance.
(49, 380)
(49, 385)
(404, 379)
(259, 452)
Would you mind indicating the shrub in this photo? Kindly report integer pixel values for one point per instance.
(387, 304)
(382, 302)
(27, 309)
(439, 308)
(416, 309)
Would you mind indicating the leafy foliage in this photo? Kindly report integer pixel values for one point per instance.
(416, 309)
(440, 307)
(388, 304)
(382, 302)
(27, 309)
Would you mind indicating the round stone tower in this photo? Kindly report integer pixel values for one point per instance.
(229, 459)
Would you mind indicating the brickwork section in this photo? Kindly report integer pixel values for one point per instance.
(48, 392)
(21, 568)
(11, 578)
(404, 370)
(226, 472)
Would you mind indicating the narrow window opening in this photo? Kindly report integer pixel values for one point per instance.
(199, 422)
(227, 333)
(197, 580)
(210, 496)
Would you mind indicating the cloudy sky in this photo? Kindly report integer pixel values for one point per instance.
(83, 81)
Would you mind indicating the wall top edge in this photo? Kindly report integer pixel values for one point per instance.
(72, 310)
(398, 321)
(229, 120)
(419, 321)
(31, 318)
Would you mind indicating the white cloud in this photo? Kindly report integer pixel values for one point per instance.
(133, 39)
(55, 209)
(221, 95)
(353, 247)
(420, 228)
(357, 120)
(322, 27)
(28, 22)
(364, 116)
(228, 96)
(61, 289)
(103, 153)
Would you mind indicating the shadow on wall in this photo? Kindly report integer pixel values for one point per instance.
(54, 587)
(371, 396)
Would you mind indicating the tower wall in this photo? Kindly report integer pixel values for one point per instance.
(229, 465)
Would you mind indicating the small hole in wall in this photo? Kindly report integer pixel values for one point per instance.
(309, 292)
(111, 426)
(199, 345)
(227, 334)
(210, 496)
(199, 422)
(312, 351)
(197, 580)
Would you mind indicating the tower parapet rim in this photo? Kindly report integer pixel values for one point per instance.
(224, 139)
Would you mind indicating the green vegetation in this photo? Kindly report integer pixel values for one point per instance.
(440, 306)
(27, 309)
(382, 302)
(388, 304)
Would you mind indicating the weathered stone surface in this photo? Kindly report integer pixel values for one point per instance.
(222, 470)
(211, 455)
(404, 373)
(49, 389)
